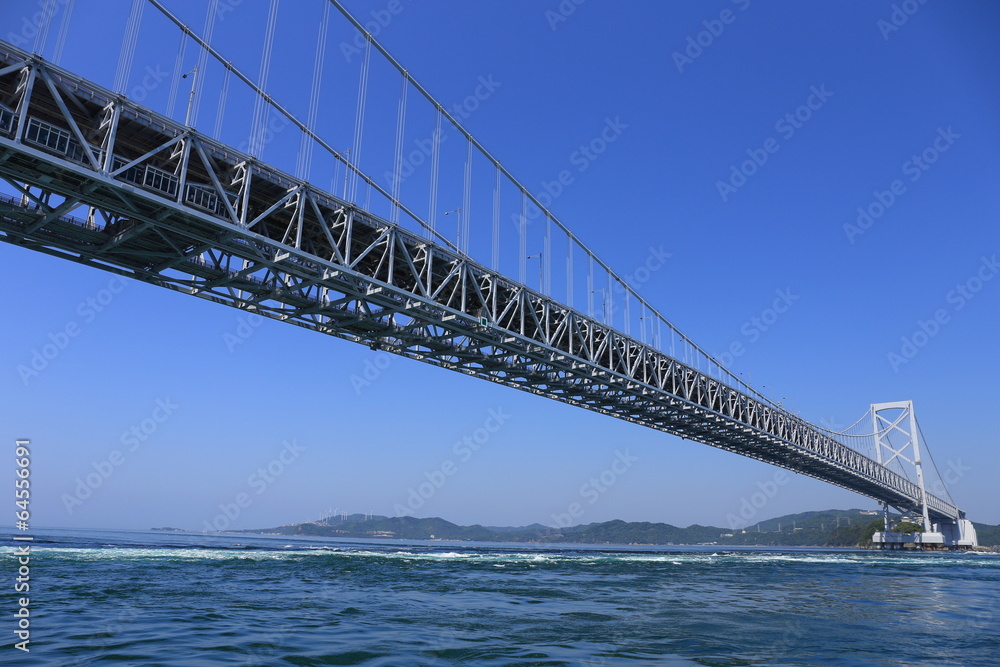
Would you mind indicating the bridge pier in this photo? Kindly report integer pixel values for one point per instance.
(958, 534)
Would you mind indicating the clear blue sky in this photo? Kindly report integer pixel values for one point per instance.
(684, 123)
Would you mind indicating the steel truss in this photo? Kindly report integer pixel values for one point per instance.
(172, 207)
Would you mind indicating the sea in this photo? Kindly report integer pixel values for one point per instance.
(192, 599)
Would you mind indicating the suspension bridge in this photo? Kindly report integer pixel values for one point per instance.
(95, 176)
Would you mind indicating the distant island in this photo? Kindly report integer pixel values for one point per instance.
(829, 528)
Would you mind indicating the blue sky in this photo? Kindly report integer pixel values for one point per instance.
(833, 101)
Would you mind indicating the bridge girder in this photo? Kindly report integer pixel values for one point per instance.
(174, 208)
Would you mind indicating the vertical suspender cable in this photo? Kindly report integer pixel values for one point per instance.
(603, 265)
(397, 167)
(546, 258)
(371, 183)
(590, 286)
(176, 80)
(261, 107)
(463, 241)
(569, 272)
(42, 29)
(220, 114)
(628, 318)
(63, 31)
(359, 120)
(496, 220)
(128, 47)
(199, 81)
(522, 261)
(48, 9)
(304, 165)
(609, 314)
(435, 166)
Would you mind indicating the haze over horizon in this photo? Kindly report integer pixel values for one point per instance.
(843, 266)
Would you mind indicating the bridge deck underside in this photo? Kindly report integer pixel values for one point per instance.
(173, 208)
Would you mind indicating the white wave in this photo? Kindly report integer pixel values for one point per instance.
(529, 558)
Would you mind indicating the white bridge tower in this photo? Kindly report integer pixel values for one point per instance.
(898, 437)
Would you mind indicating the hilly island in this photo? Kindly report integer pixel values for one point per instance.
(828, 528)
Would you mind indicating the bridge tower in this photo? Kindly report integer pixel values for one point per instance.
(897, 437)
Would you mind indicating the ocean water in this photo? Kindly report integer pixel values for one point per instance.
(146, 598)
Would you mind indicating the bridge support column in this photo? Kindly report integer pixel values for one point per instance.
(883, 428)
(897, 418)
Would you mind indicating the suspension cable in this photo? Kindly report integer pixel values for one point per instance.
(590, 286)
(522, 264)
(42, 34)
(223, 96)
(496, 220)
(128, 47)
(930, 456)
(546, 259)
(359, 119)
(63, 32)
(199, 80)
(852, 435)
(304, 165)
(175, 81)
(466, 212)
(261, 109)
(294, 120)
(569, 272)
(435, 166)
(526, 193)
(397, 168)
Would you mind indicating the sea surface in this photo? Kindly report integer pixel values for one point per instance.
(191, 599)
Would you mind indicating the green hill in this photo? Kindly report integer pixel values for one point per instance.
(834, 528)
